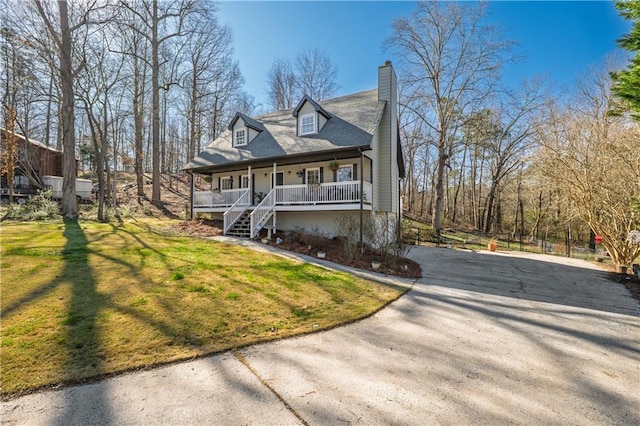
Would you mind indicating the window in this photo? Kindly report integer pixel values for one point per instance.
(20, 182)
(226, 183)
(313, 176)
(244, 182)
(345, 173)
(307, 124)
(240, 137)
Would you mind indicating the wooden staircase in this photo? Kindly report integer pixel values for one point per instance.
(242, 227)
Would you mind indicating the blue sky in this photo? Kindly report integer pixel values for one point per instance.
(559, 39)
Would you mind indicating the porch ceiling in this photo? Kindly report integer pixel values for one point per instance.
(285, 160)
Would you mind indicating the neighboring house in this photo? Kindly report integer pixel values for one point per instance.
(33, 161)
(307, 166)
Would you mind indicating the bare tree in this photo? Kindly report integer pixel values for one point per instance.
(228, 98)
(97, 89)
(162, 22)
(315, 74)
(281, 85)
(62, 36)
(210, 75)
(451, 62)
(512, 140)
(591, 156)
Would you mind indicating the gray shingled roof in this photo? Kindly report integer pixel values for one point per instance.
(248, 121)
(354, 119)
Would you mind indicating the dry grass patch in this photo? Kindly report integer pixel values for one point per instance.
(84, 300)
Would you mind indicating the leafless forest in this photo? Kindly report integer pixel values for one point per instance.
(146, 84)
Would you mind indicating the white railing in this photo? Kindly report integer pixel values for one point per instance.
(262, 212)
(232, 215)
(324, 193)
(224, 198)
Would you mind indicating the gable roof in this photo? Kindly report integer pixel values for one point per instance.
(4, 132)
(354, 119)
(317, 107)
(248, 121)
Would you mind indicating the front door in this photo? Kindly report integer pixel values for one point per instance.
(279, 179)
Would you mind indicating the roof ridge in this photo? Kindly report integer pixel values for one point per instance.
(337, 98)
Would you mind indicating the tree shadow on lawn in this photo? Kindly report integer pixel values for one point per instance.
(82, 340)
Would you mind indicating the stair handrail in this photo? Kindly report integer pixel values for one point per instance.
(236, 210)
(262, 212)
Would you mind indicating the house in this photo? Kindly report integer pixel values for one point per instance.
(32, 161)
(305, 167)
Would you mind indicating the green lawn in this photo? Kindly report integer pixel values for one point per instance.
(83, 300)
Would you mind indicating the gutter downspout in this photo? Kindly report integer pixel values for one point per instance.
(250, 187)
(361, 197)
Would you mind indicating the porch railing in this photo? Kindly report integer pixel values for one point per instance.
(226, 197)
(232, 215)
(262, 212)
(324, 193)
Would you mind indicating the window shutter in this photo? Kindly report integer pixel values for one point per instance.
(321, 174)
(304, 176)
(335, 175)
(219, 187)
(355, 172)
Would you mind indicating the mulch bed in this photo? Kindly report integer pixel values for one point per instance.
(198, 228)
(404, 268)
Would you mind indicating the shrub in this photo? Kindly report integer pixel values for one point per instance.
(348, 229)
(38, 207)
(297, 236)
(317, 239)
(386, 235)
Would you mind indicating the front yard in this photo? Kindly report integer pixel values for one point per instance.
(85, 300)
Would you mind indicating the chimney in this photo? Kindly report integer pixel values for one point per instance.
(387, 183)
(387, 83)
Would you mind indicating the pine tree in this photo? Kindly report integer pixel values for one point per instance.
(627, 81)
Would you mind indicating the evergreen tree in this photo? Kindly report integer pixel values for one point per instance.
(627, 81)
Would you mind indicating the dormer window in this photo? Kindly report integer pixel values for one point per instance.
(240, 137)
(308, 124)
(310, 116)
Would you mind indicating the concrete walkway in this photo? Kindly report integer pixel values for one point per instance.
(481, 339)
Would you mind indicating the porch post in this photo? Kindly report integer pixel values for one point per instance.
(275, 195)
(250, 184)
(191, 188)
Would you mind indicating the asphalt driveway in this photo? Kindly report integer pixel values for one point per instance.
(481, 339)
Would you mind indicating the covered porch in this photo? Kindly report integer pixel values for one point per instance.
(313, 196)
(248, 199)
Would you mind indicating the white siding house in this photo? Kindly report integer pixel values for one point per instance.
(307, 166)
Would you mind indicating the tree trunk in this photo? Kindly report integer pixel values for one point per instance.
(460, 184)
(155, 108)
(99, 159)
(192, 114)
(489, 207)
(47, 126)
(138, 121)
(436, 219)
(69, 201)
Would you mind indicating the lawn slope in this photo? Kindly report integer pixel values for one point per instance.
(84, 300)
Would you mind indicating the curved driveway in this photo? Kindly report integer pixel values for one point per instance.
(481, 339)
